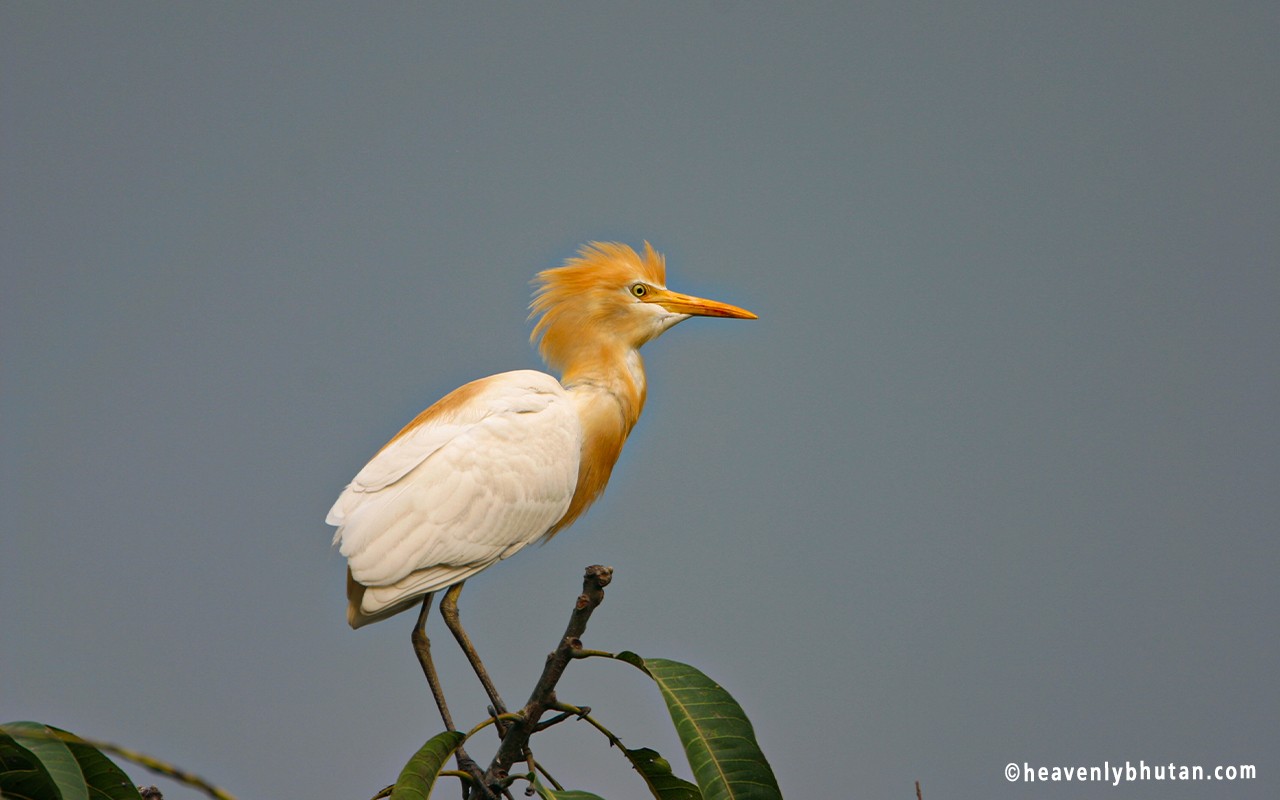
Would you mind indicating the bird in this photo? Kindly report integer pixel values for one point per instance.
(511, 459)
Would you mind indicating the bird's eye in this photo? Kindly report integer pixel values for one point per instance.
(639, 290)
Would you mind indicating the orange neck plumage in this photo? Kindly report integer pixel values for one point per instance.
(599, 363)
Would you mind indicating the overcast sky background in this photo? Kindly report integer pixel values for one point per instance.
(992, 479)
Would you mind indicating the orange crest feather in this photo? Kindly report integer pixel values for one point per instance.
(574, 297)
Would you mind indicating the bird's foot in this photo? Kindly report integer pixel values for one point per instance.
(478, 790)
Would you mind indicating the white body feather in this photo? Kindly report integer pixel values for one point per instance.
(465, 486)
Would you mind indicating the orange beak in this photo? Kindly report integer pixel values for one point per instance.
(695, 306)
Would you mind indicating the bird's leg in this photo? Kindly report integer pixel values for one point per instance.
(422, 647)
(449, 610)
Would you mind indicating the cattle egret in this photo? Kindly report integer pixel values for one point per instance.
(513, 458)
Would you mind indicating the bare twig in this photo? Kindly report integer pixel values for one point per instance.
(515, 743)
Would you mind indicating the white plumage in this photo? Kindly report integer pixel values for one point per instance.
(461, 489)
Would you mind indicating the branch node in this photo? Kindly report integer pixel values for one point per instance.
(601, 575)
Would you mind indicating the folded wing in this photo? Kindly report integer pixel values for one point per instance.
(476, 477)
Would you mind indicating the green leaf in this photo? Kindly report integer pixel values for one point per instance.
(45, 771)
(656, 772)
(53, 755)
(420, 773)
(717, 736)
(22, 776)
(547, 793)
(104, 778)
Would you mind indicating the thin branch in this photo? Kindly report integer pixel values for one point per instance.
(543, 698)
(537, 767)
(614, 741)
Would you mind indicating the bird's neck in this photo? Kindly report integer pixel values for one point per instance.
(609, 395)
(610, 372)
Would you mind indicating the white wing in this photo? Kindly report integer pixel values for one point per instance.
(476, 477)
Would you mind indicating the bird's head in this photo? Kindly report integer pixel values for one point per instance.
(607, 298)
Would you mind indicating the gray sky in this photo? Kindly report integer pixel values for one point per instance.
(992, 479)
